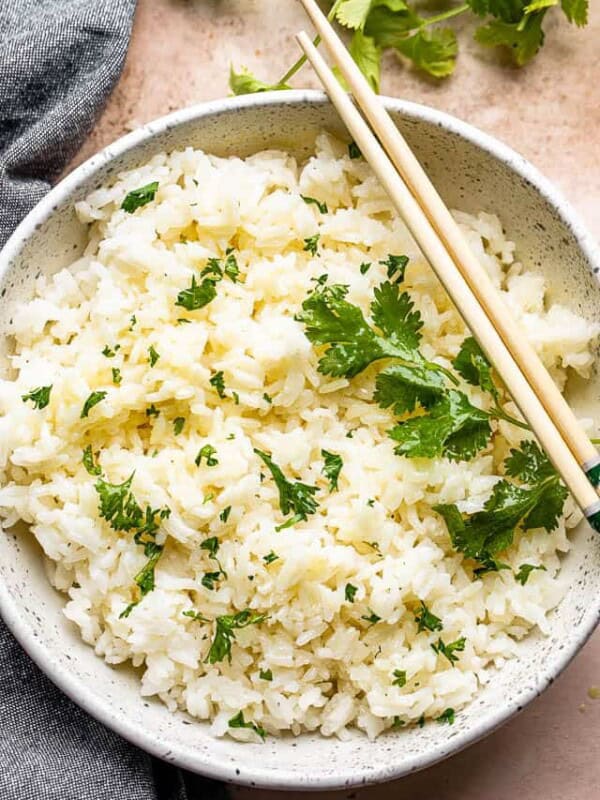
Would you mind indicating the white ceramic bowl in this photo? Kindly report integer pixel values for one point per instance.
(472, 172)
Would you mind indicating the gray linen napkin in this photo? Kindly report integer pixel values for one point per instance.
(59, 61)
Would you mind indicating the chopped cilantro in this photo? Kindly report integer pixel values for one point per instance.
(218, 383)
(448, 715)
(267, 398)
(118, 506)
(365, 267)
(396, 267)
(231, 268)
(208, 497)
(152, 411)
(132, 322)
(210, 578)
(139, 197)
(183, 321)
(270, 558)
(236, 398)
(354, 150)
(332, 468)
(40, 397)
(350, 592)
(110, 352)
(426, 621)
(525, 571)
(294, 496)
(265, 675)
(89, 463)
(449, 650)
(224, 515)
(399, 678)
(207, 452)
(239, 722)
(211, 545)
(178, 424)
(93, 400)
(224, 636)
(116, 376)
(198, 295)
(421, 721)
(372, 617)
(153, 356)
(371, 502)
(311, 244)
(397, 722)
(321, 206)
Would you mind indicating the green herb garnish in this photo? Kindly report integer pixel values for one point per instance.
(207, 452)
(239, 722)
(265, 675)
(294, 496)
(448, 715)
(332, 468)
(525, 571)
(152, 411)
(311, 244)
(198, 295)
(399, 676)
(116, 376)
(371, 617)
(224, 515)
(153, 356)
(321, 206)
(426, 621)
(218, 382)
(40, 397)
(270, 558)
(139, 197)
(110, 352)
(93, 400)
(449, 650)
(350, 592)
(178, 424)
(225, 629)
(89, 463)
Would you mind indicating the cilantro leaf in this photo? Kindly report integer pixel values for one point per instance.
(367, 56)
(523, 39)
(401, 387)
(210, 578)
(178, 424)
(270, 558)
(311, 244)
(93, 400)
(116, 376)
(153, 356)
(224, 636)
(448, 715)
(294, 496)
(394, 313)
(89, 463)
(365, 267)
(427, 621)
(224, 515)
(453, 428)
(110, 352)
(525, 571)
(118, 506)
(353, 13)
(432, 51)
(211, 544)
(139, 197)
(396, 266)
(207, 452)
(231, 268)
(449, 650)
(371, 617)
(321, 206)
(529, 464)
(239, 722)
(388, 25)
(218, 381)
(486, 533)
(244, 82)
(332, 468)
(350, 592)
(198, 295)
(576, 11)
(474, 367)
(506, 10)
(399, 678)
(40, 397)
(265, 675)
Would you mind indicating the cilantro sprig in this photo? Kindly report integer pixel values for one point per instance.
(224, 635)
(201, 294)
(536, 502)
(294, 496)
(40, 397)
(429, 43)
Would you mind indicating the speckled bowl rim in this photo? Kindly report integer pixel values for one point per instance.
(255, 775)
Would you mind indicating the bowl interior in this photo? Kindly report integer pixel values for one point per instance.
(472, 173)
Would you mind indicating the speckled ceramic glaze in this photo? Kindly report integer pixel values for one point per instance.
(472, 172)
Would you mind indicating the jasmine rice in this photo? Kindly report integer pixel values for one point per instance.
(225, 513)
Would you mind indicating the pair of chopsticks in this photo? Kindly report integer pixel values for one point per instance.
(466, 281)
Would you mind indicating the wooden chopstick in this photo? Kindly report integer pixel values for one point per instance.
(442, 221)
(459, 291)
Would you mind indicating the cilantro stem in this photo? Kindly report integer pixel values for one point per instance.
(498, 413)
(453, 12)
(316, 41)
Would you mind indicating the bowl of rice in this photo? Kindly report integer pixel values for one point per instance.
(267, 511)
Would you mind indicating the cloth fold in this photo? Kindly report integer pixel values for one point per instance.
(59, 61)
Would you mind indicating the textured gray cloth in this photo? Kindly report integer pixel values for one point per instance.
(59, 60)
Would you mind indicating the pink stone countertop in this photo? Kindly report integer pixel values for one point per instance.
(550, 112)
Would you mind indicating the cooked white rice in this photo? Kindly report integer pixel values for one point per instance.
(331, 670)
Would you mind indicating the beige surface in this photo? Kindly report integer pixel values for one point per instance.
(550, 112)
